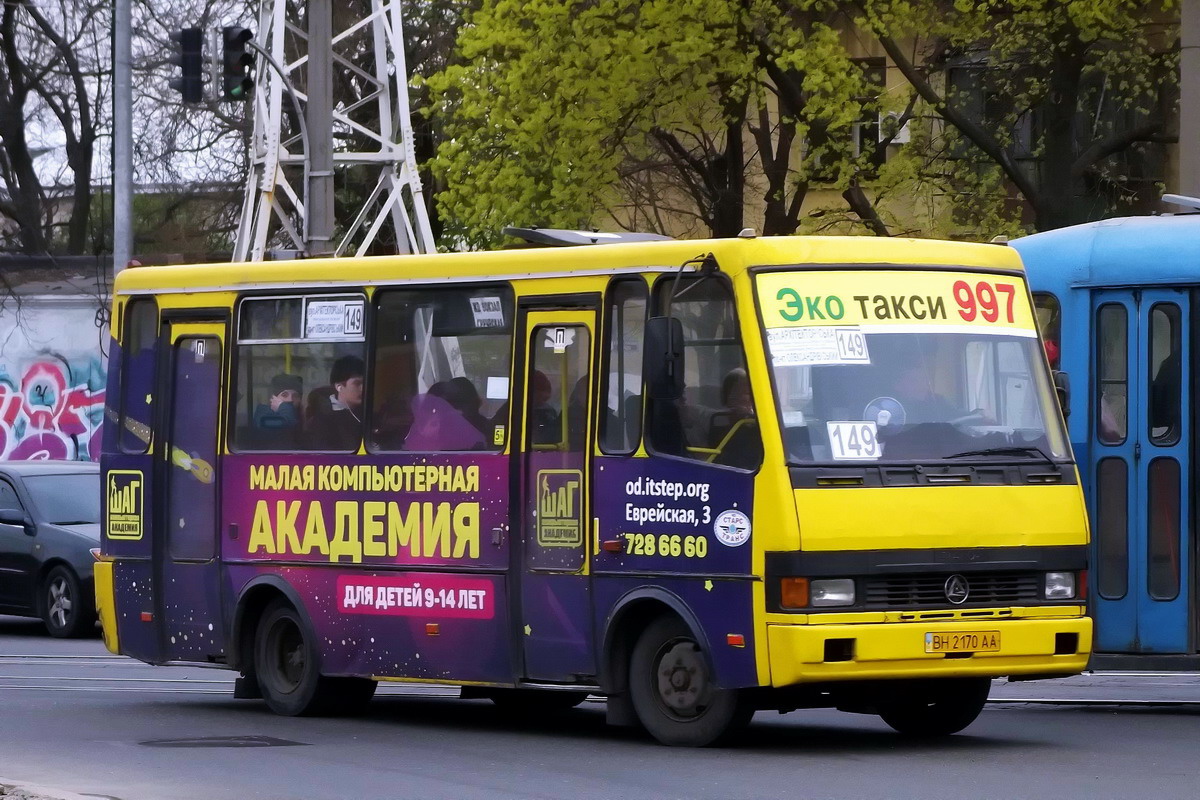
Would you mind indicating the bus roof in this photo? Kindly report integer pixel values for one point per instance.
(733, 256)
(1115, 252)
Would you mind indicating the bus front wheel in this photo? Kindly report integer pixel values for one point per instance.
(939, 709)
(674, 692)
(286, 665)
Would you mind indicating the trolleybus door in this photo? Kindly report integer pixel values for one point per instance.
(188, 590)
(1140, 471)
(552, 476)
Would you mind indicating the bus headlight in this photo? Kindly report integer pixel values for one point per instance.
(1059, 586)
(832, 592)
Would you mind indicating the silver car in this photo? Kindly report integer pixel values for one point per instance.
(49, 540)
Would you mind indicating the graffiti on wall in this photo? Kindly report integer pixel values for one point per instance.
(51, 409)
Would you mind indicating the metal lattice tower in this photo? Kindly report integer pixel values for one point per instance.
(371, 136)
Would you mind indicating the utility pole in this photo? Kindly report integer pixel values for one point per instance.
(122, 152)
(318, 192)
(274, 214)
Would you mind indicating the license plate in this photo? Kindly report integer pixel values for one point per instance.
(963, 642)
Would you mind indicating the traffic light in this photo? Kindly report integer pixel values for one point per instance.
(190, 59)
(237, 75)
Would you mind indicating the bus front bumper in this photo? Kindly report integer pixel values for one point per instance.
(814, 653)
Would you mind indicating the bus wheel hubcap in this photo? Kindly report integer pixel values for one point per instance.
(682, 679)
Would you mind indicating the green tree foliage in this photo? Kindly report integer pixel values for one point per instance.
(1060, 107)
(697, 115)
(660, 114)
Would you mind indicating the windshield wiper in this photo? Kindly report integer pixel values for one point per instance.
(1029, 450)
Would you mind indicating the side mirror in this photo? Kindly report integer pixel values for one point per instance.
(15, 516)
(663, 358)
(1062, 387)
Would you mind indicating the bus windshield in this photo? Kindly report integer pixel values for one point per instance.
(910, 389)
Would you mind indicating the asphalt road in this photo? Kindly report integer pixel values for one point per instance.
(74, 718)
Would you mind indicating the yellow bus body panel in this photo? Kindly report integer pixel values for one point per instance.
(898, 650)
(733, 255)
(106, 606)
(921, 517)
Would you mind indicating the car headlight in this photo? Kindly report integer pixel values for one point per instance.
(831, 592)
(1059, 586)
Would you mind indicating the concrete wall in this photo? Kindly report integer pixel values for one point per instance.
(52, 372)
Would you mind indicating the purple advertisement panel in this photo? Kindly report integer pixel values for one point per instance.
(721, 607)
(133, 587)
(396, 510)
(128, 508)
(672, 515)
(427, 625)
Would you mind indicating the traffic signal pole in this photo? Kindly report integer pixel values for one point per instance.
(122, 152)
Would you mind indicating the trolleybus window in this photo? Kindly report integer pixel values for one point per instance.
(442, 370)
(300, 375)
(1112, 391)
(1165, 346)
(621, 421)
(1049, 321)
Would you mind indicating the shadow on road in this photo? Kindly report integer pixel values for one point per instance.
(32, 628)
(768, 733)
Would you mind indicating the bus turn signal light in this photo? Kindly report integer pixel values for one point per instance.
(793, 592)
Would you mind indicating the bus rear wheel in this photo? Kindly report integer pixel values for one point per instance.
(939, 709)
(286, 665)
(674, 692)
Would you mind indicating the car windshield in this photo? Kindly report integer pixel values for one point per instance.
(66, 499)
(882, 389)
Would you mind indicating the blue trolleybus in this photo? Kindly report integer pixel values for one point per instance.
(1118, 302)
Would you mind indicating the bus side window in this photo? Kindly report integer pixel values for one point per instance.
(621, 415)
(715, 420)
(139, 347)
(299, 380)
(441, 365)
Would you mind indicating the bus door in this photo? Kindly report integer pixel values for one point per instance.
(188, 589)
(1141, 471)
(552, 479)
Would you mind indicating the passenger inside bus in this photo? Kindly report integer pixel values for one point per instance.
(276, 422)
(736, 405)
(577, 415)
(282, 409)
(544, 420)
(461, 393)
(437, 425)
(337, 418)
